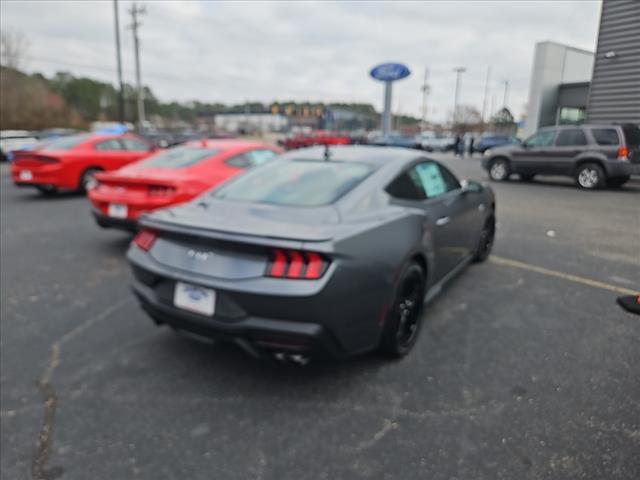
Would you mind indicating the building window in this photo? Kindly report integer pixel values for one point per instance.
(571, 116)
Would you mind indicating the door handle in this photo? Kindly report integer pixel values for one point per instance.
(442, 221)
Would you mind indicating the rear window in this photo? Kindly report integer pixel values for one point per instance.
(296, 183)
(65, 143)
(179, 157)
(605, 136)
(631, 135)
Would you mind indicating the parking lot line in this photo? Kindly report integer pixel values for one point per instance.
(566, 276)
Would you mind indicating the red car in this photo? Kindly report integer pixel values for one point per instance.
(319, 137)
(69, 163)
(170, 177)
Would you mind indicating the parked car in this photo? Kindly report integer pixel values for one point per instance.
(69, 163)
(170, 177)
(319, 137)
(438, 143)
(313, 252)
(594, 155)
(396, 140)
(490, 141)
(12, 140)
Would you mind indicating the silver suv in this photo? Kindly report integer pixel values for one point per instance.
(596, 156)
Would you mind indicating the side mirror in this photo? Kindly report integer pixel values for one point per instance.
(471, 186)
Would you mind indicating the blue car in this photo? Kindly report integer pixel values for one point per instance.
(491, 141)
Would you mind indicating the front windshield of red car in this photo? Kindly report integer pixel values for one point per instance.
(179, 157)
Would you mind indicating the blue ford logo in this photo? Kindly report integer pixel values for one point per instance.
(195, 294)
(388, 72)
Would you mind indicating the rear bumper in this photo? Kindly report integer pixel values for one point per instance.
(618, 168)
(263, 334)
(339, 314)
(49, 175)
(105, 221)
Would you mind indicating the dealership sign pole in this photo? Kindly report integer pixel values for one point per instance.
(388, 73)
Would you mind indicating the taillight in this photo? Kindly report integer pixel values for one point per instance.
(45, 159)
(296, 264)
(160, 191)
(144, 239)
(623, 153)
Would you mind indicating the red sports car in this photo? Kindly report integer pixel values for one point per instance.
(170, 177)
(69, 163)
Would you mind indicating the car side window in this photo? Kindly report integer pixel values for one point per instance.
(108, 145)
(406, 187)
(434, 182)
(450, 179)
(571, 138)
(251, 159)
(605, 136)
(133, 145)
(541, 139)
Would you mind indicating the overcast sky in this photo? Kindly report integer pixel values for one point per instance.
(231, 52)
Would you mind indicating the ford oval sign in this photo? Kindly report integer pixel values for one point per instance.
(389, 72)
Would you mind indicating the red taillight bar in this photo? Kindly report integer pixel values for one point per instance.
(295, 264)
(144, 239)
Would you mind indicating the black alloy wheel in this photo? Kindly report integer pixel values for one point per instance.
(405, 315)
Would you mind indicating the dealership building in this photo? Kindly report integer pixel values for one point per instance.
(570, 85)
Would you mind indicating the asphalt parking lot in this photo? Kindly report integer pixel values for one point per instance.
(526, 368)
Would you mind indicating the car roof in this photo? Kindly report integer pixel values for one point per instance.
(373, 155)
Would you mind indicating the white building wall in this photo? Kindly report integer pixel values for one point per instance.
(553, 64)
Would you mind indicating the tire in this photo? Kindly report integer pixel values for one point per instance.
(485, 243)
(527, 177)
(86, 179)
(499, 170)
(47, 190)
(404, 317)
(590, 176)
(616, 182)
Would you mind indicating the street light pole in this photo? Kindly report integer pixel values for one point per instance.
(486, 92)
(119, 62)
(135, 11)
(459, 71)
(506, 93)
(425, 92)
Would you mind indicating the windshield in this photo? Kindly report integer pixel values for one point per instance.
(180, 157)
(296, 183)
(65, 143)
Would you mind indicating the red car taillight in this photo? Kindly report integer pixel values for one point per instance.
(160, 191)
(296, 264)
(623, 153)
(144, 239)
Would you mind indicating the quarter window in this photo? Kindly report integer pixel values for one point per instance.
(605, 136)
(109, 145)
(571, 137)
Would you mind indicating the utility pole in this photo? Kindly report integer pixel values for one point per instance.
(459, 71)
(486, 92)
(425, 93)
(135, 24)
(506, 93)
(119, 62)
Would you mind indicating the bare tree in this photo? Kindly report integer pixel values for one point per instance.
(13, 48)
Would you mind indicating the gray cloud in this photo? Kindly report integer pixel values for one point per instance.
(232, 51)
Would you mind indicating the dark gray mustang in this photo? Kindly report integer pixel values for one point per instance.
(319, 250)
